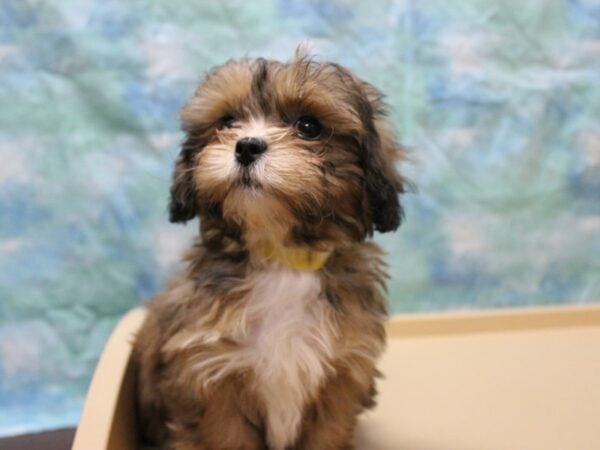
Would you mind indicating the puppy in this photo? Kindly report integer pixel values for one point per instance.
(270, 336)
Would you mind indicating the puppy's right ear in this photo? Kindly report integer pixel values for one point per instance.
(184, 198)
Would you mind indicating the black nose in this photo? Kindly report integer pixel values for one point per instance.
(247, 150)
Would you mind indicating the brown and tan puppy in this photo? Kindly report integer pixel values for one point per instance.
(270, 336)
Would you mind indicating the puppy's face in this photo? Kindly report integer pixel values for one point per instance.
(298, 150)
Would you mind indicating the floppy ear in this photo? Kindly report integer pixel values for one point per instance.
(383, 182)
(184, 202)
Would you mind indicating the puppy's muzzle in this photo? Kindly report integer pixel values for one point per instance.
(249, 149)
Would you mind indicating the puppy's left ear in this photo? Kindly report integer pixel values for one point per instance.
(383, 182)
(184, 202)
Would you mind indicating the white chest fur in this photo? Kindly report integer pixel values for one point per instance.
(288, 335)
(285, 333)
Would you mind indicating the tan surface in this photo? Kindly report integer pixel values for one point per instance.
(107, 421)
(514, 380)
(519, 390)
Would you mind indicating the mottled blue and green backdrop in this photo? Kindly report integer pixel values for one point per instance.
(498, 100)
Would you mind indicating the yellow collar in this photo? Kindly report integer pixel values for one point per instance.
(295, 257)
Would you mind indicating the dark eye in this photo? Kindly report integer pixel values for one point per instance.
(308, 127)
(227, 121)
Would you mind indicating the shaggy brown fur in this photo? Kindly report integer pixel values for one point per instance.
(243, 352)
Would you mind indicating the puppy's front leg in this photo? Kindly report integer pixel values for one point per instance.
(330, 420)
(225, 423)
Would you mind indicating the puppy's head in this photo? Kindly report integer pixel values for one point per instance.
(301, 151)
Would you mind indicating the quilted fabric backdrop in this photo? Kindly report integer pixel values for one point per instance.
(498, 101)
